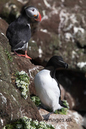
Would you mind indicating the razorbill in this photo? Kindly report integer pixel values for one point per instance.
(19, 31)
(47, 86)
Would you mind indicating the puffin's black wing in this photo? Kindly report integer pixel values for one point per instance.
(10, 30)
(18, 34)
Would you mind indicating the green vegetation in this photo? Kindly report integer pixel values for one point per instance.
(8, 55)
(28, 123)
(22, 82)
(63, 111)
(36, 100)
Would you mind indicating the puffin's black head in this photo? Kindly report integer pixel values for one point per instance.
(57, 62)
(33, 12)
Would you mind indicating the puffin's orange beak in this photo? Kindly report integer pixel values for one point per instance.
(39, 18)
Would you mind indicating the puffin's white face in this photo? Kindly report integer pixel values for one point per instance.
(32, 12)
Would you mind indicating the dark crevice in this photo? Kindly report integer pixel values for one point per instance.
(78, 44)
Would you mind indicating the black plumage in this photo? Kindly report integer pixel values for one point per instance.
(19, 31)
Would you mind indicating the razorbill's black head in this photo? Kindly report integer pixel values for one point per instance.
(19, 31)
(47, 86)
(57, 62)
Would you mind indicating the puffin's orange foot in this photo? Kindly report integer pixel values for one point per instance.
(27, 56)
(23, 55)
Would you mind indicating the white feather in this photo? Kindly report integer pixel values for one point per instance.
(47, 90)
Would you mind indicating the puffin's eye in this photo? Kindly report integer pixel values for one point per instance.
(32, 9)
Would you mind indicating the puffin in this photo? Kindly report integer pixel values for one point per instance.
(19, 31)
(47, 86)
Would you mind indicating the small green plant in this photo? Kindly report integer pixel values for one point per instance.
(63, 111)
(8, 55)
(22, 82)
(28, 123)
(36, 100)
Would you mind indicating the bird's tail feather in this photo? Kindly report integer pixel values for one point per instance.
(62, 104)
